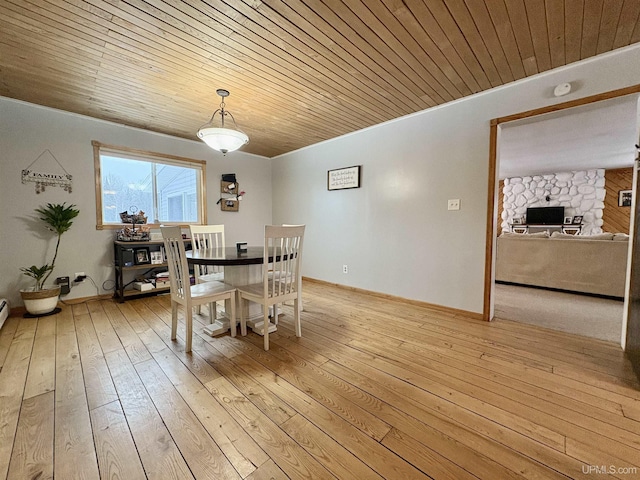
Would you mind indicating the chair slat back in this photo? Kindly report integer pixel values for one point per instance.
(179, 280)
(207, 236)
(283, 244)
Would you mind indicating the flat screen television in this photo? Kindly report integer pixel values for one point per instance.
(545, 216)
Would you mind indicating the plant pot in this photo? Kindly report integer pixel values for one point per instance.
(41, 302)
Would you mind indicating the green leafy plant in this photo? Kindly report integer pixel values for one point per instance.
(58, 218)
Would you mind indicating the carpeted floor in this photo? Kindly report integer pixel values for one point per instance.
(580, 314)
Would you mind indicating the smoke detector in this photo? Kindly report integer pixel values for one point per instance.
(562, 89)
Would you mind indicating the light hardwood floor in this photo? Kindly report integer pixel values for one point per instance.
(374, 389)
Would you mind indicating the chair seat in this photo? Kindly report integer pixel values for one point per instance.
(257, 290)
(210, 288)
(211, 277)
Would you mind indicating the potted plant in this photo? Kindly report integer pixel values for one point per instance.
(41, 300)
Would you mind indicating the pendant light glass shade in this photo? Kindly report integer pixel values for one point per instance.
(217, 136)
(222, 139)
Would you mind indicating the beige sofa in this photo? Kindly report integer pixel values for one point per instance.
(574, 264)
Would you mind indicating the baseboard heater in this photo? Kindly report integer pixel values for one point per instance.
(4, 310)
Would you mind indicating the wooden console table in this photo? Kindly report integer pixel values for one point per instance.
(564, 228)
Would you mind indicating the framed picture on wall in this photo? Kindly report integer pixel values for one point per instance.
(343, 178)
(624, 198)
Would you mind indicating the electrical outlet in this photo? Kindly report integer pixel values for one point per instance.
(453, 204)
(345, 268)
(79, 277)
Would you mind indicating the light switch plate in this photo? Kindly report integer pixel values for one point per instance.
(453, 204)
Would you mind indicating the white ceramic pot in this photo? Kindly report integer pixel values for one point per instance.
(41, 302)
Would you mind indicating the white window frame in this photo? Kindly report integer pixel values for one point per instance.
(152, 157)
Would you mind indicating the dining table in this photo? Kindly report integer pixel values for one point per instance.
(240, 268)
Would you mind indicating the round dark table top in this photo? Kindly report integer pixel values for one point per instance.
(228, 256)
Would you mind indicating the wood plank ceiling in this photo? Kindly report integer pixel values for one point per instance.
(299, 71)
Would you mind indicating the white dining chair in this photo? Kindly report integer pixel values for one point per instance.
(210, 237)
(300, 304)
(207, 236)
(284, 246)
(187, 295)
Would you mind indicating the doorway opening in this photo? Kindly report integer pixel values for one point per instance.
(530, 166)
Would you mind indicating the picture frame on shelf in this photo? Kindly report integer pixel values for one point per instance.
(577, 220)
(624, 198)
(141, 256)
(156, 257)
(517, 221)
(568, 220)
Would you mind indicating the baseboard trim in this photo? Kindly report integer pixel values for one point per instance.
(386, 296)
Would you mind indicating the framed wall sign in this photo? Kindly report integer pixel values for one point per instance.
(342, 178)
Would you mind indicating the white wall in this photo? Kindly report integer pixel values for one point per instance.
(27, 130)
(395, 232)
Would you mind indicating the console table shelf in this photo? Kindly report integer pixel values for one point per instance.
(564, 228)
(125, 260)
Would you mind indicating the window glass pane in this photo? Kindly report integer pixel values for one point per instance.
(175, 185)
(165, 190)
(174, 208)
(126, 185)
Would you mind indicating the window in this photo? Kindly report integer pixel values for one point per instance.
(168, 189)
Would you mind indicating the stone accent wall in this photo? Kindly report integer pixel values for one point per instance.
(580, 192)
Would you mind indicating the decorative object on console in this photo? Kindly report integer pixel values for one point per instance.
(568, 220)
(134, 216)
(577, 219)
(40, 300)
(218, 137)
(156, 257)
(142, 256)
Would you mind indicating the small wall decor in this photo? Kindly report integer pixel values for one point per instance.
(47, 179)
(342, 178)
(231, 193)
(624, 198)
(229, 205)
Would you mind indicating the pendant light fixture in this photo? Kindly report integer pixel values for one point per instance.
(217, 136)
